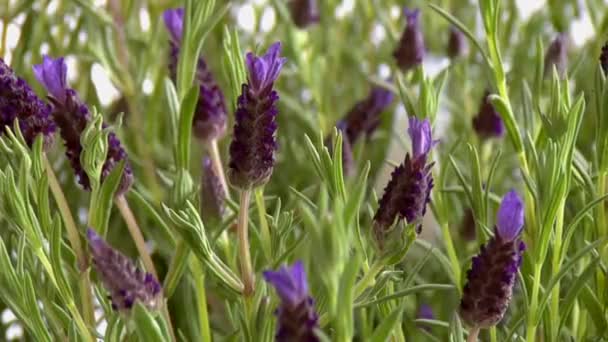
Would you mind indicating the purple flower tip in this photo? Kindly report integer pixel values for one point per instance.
(174, 21)
(510, 216)
(420, 133)
(411, 15)
(51, 73)
(425, 312)
(263, 71)
(290, 283)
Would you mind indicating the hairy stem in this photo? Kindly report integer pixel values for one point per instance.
(532, 313)
(449, 246)
(84, 280)
(201, 299)
(473, 333)
(369, 278)
(244, 253)
(216, 160)
(264, 229)
(176, 268)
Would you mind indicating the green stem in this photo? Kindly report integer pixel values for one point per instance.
(369, 278)
(243, 238)
(493, 337)
(449, 245)
(264, 229)
(203, 314)
(140, 244)
(531, 326)
(84, 282)
(555, 268)
(601, 226)
(176, 268)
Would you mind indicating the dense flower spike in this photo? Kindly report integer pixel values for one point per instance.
(490, 280)
(18, 101)
(604, 58)
(296, 314)
(364, 117)
(458, 45)
(411, 49)
(557, 55)
(488, 123)
(304, 12)
(126, 283)
(409, 188)
(213, 196)
(210, 118)
(254, 142)
(71, 116)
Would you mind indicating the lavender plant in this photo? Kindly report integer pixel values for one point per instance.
(429, 173)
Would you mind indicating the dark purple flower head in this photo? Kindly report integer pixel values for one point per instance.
(210, 117)
(174, 21)
(604, 58)
(19, 102)
(411, 49)
(409, 189)
(304, 12)
(488, 123)
(364, 117)
(126, 283)
(557, 55)
(254, 142)
(72, 116)
(264, 70)
(487, 293)
(296, 314)
(458, 44)
(213, 196)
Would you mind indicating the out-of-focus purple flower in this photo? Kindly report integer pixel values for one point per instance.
(489, 288)
(364, 117)
(411, 49)
(425, 312)
(72, 116)
(213, 196)
(296, 314)
(458, 44)
(126, 283)
(254, 142)
(557, 55)
(304, 12)
(210, 117)
(488, 123)
(604, 58)
(18, 101)
(409, 189)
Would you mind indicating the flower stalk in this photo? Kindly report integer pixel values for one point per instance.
(243, 242)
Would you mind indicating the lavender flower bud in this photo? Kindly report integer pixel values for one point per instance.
(411, 49)
(490, 280)
(604, 58)
(18, 101)
(296, 314)
(409, 188)
(364, 117)
(72, 116)
(254, 142)
(304, 12)
(125, 282)
(212, 193)
(210, 119)
(557, 55)
(458, 45)
(488, 123)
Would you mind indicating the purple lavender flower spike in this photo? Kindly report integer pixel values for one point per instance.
(488, 123)
(174, 21)
(212, 193)
(254, 142)
(296, 314)
(489, 288)
(364, 117)
(557, 55)
(72, 116)
(409, 190)
(126, 283)
(604, 58)
(411, 49)
(458, 46)
(19, 102)
(304, 12)
(210, 117)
